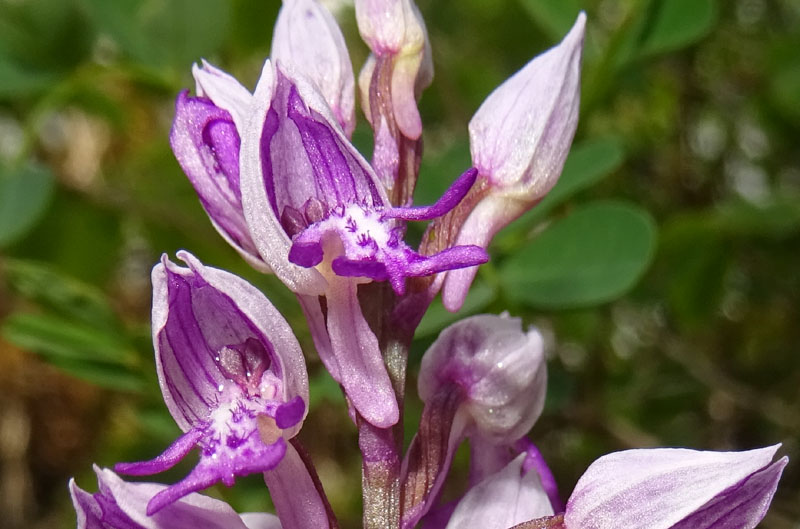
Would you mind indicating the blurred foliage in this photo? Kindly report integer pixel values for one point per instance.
(662, 268)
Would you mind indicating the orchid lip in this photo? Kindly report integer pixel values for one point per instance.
(372, 245)
(242, 435)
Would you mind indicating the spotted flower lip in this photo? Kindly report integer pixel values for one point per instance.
(121, 505)
(231, 372)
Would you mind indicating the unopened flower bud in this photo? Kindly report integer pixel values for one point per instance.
(519, 140)
(308, 39)
(499, 369)
(395, 32)
(502, 500)
(483, 378)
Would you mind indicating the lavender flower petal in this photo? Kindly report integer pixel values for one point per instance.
(510, 497)
(668, 487)
(121, 505)
(307, 37)
(294, 493)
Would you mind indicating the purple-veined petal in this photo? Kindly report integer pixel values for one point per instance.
(205, 141)
(660, 488)
(121, 505)
(198, 311)
(307, 36)
(510, 497)
(258, 192)
(224, 91)
(742, 506)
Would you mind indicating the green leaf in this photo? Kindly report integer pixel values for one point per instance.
(588, 162)
(555, 17)
(60, 292)
(593, 256)
(57, 338)
(25, 192)
(675, 24)
(19, 81)
(437, 317)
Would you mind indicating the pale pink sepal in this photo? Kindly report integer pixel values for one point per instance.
(297, 501)
(659, 488)
(502, 500)
(362, 371)
(308, 38)
(520, 136)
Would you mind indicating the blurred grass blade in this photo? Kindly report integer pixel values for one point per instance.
(25, 193)
(54, 337)
(60, 292)
(593, 256)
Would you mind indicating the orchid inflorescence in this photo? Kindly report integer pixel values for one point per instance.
(282, 183)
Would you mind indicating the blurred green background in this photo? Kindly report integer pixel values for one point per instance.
(664, 270)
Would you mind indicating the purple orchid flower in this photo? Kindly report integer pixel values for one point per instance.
(121, 505)
(674, 488)
(661, 488)
(482, 379)
(231, 372)
(519, 139)
(321, 220)
(206, 132)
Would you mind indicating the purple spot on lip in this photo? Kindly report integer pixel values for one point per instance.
(306, 255)
(291, 413)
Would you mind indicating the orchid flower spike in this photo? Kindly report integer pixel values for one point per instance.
(519, 139)
(673, 488)
(483, 378)
(122, 505)
(308, 38)
(322, 222)
(231, 372)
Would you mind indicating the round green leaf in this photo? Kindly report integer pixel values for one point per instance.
(25, 193)
(594, 255)
(675, 24)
